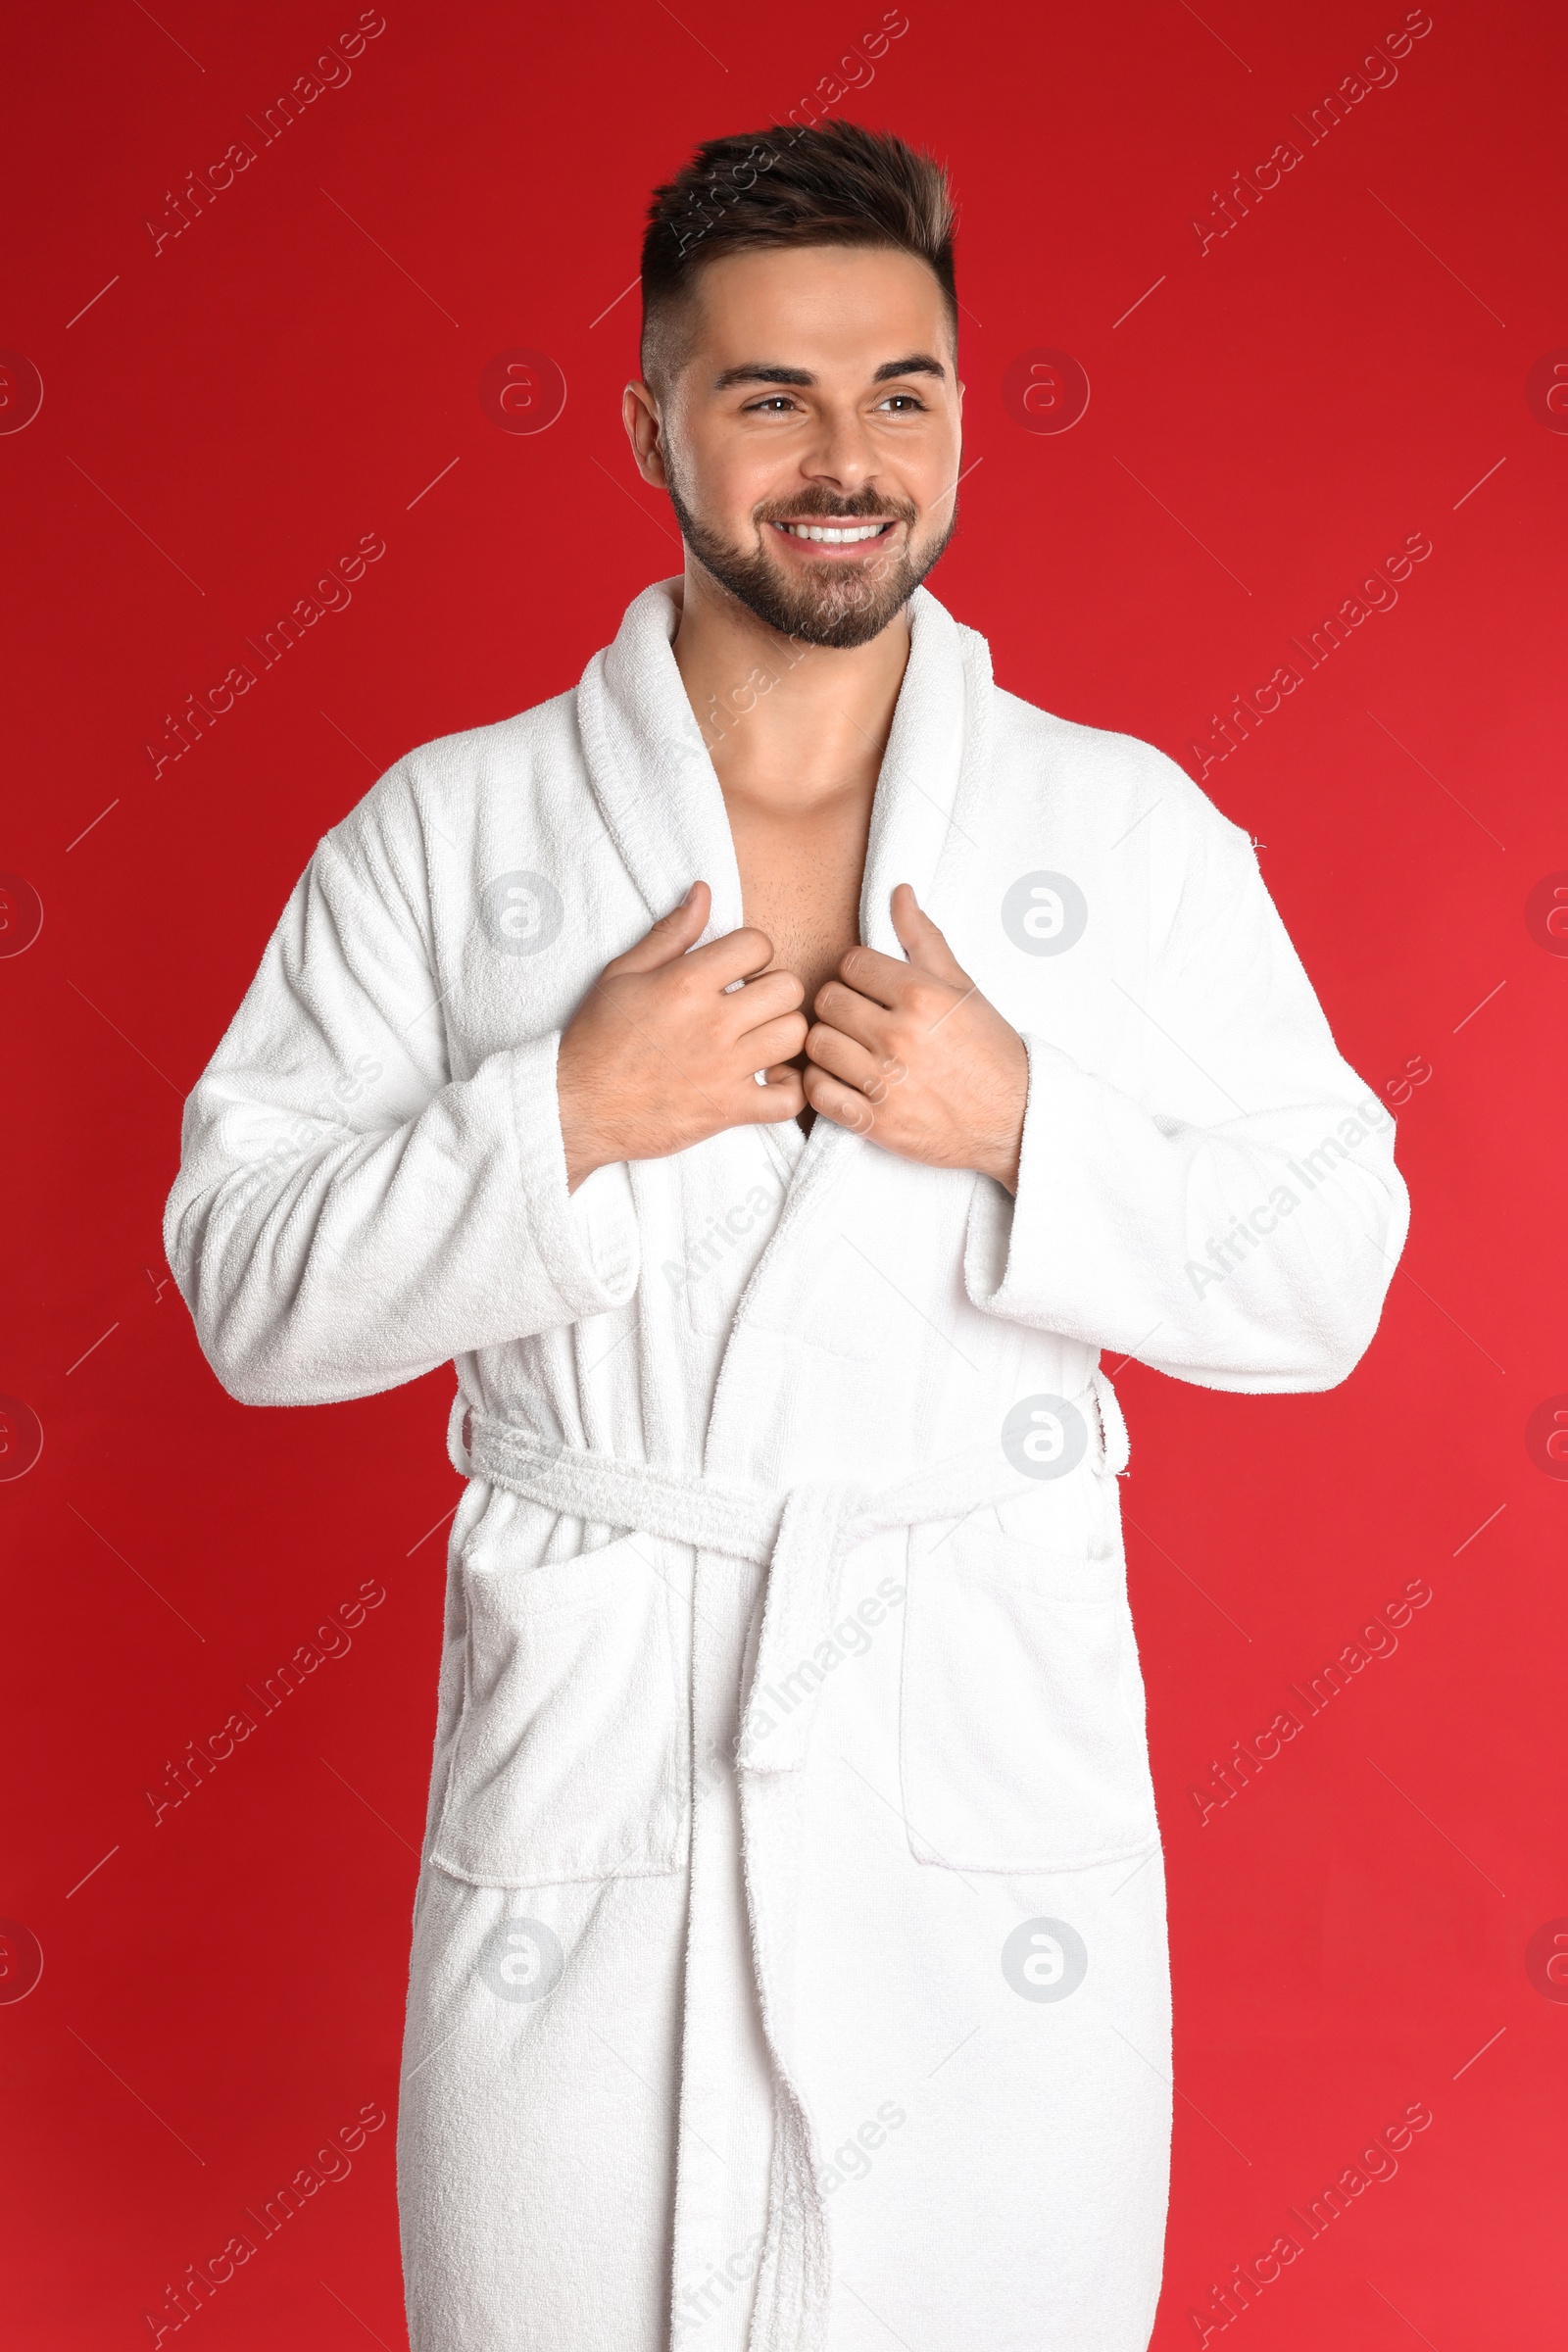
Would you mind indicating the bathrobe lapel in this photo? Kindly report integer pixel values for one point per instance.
(940, 729)
(660, 800)
(662, 803)
(649, 766)
(923, 828)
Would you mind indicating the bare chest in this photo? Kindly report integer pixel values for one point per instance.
(801, 884)
(810, 914)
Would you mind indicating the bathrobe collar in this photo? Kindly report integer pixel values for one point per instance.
(661, 799)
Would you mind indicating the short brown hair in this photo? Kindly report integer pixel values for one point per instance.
(836, 185)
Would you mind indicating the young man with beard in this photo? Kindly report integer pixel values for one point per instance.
(775, 1120)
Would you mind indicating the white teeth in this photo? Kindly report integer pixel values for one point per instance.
(835, 536)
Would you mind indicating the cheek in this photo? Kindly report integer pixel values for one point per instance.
(726, 471)
(930, 475)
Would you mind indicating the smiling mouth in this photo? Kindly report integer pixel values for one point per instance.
(847, 533)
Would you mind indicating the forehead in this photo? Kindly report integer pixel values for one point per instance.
(831, 309)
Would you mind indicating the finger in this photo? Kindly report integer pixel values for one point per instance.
(922, 942)
(781, 1095)
(883, 978)
(874, 1075)
(735, 956)
(772, 1041)
(782, 1098)
(764, 998)
(860, 1017)
(844, 1104)
(670, 936)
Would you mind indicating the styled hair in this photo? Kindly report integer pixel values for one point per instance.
(838, 184)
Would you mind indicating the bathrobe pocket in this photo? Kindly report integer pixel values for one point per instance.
(572, 1753)
(1022, 1741)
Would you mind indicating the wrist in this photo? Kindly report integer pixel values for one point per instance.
(1000, 1162)
(1006, 1151)
(580, 1147)
(578, 1170)
(582, 1151)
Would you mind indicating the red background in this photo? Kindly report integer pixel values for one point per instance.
(230, 416)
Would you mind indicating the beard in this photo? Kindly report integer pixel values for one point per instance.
(836, 603)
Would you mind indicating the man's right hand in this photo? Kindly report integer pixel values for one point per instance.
(662, 1053)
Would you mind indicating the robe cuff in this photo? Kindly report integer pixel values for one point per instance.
(1016, 1245)
(606, 1224)
(587, 1241)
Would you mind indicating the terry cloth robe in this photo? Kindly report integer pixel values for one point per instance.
(789, 1955)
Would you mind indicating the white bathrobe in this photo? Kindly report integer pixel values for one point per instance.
(789, 1967)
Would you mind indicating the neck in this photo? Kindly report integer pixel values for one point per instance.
(789, 727)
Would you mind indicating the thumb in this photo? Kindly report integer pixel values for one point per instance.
(922, 942)
(671, 935)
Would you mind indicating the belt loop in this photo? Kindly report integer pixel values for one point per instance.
(1115, 1445)
(460, 1435)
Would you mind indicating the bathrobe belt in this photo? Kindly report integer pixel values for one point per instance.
(800, 1537)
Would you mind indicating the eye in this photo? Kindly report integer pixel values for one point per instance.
(773, 402)
(912, 399)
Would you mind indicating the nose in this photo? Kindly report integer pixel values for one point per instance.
(842, 457)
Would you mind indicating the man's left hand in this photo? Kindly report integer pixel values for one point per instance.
(914, 1056)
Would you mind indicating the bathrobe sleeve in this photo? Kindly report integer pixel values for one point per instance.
(347, 1214)
(1227, 1208)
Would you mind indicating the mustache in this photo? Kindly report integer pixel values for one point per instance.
(820, 506)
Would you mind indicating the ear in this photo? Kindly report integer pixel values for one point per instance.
(639, 413)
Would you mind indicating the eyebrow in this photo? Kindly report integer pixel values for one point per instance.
(767, 372)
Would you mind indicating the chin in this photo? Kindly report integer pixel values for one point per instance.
(836, 611)
(841, 619)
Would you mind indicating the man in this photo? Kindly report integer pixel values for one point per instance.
(775, 1071)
